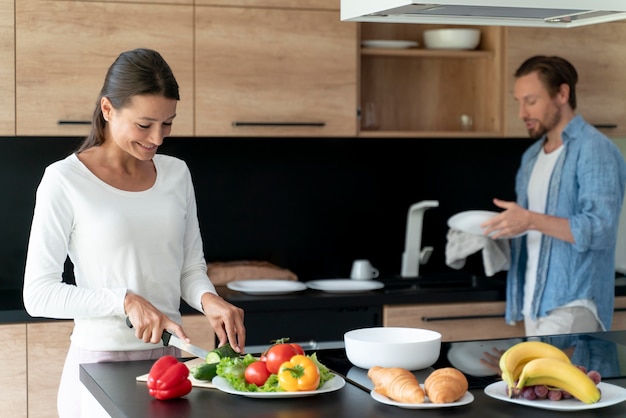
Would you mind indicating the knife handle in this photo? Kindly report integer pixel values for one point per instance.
(165, 337)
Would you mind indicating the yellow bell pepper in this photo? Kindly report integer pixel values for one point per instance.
(299, 374)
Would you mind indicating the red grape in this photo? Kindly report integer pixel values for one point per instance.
(595, 376)
(541, 391)
(528, 393)
(555, 395)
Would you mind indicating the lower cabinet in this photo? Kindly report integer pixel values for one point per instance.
(199, 331)
(13, 377)
(471, 320)
(455, 321)
(619, 314)
(47, 344)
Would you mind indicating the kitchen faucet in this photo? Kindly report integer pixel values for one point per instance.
(413, 254)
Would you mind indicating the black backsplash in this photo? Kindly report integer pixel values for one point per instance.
(310, 205)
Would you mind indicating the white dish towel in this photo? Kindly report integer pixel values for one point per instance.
(496, 253)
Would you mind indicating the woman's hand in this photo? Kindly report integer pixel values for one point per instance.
(226, 320)
(148, 322)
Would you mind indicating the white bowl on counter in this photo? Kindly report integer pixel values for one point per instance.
(408, 348)
(451, 38)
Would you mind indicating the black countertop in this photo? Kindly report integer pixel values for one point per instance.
(115, 387)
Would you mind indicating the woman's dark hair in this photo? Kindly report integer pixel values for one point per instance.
(553, 72)
(137, 72)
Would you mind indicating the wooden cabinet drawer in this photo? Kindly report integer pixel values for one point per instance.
(455, 321)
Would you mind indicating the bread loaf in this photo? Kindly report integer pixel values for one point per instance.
(445, 385)
(222, 273)
(397, 384)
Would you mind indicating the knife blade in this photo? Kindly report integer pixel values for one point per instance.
(170, 339)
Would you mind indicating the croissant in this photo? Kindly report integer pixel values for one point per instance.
(445, 385)
(397, 384)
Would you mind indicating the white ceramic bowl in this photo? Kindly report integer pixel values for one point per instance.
(409, 348)
(451, 38)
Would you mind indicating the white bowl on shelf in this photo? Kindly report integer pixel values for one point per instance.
(451, 38)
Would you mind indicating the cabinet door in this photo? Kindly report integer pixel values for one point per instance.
(455, 321)
(597, 52)
(199, 331)
(287, 4)
(7, 68)
(64, 49)
(47, 343)
(619, 315)
(274, 72)
(13, 377)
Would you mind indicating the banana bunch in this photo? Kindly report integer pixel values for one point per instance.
(515, 358)
(531, 363)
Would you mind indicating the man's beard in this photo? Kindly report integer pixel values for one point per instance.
(542, 129)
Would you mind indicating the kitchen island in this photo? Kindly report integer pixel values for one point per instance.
(114, 386)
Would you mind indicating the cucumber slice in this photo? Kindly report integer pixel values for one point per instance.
(217, 354)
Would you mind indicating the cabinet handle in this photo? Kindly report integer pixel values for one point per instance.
(303, 124)
(74, 122)
(456, 318)
(605, 125)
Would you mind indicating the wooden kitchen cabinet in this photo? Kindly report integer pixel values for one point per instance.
(619, 314)
(47, 344)
(13, 377)
(7, 67)
(64, 48)
(597, 52)
(455, 321)
(418, 92)
(199, 331)
(274, 71)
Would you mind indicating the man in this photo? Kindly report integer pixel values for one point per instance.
(570, 188)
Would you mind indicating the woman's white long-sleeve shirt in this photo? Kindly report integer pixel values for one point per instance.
(147, 243)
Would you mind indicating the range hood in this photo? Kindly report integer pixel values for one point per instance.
(532, 13)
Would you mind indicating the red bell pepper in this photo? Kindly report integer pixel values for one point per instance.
(168, 379)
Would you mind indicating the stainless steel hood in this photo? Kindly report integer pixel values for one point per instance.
(532, 13)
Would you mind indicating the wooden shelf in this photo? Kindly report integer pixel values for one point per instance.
(426, 53)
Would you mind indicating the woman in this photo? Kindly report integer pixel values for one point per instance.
(126, 217)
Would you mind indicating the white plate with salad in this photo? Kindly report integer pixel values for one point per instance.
(336, 383)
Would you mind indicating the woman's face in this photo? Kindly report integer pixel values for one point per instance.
(140, 127)
(540, 112)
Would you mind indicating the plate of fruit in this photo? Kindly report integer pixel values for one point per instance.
(541, 375)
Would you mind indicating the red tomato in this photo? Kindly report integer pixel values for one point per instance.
(256, 373)
(277, 355)
(298, 348)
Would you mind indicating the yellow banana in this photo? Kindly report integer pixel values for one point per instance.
(555, 373)
(515, 358)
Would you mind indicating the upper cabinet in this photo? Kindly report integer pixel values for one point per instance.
(7, 68)
(418, 92)
(275, 71)
(599, 56)
(64, 48)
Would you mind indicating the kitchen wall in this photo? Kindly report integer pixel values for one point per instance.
(311, 205)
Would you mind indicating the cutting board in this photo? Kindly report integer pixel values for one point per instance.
(194, 382)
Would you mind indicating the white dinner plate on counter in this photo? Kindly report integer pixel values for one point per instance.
(344, 285)
(427, 404)
(266, 287)
(336, 383)
(390, 44)
(466, 356)
(611, 395)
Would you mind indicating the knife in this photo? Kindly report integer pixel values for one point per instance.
(170, 339)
